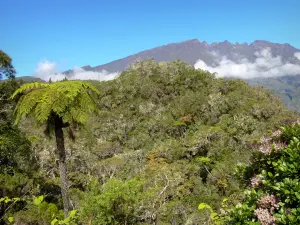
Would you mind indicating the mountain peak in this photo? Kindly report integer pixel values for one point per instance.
(191, 41)
(87, 67)
(190, 51)
(260, 43)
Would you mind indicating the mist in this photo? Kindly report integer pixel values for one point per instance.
(265, 65)
(46, 70)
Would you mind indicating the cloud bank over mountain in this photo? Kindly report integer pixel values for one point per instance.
(46, 70)
(257, 59)
(297, 55)
(265, 65)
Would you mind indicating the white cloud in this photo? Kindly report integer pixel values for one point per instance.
(45, 67)
(46, 70)
(265, 65)
(297, 55)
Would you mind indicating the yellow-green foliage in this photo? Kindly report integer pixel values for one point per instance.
(71, 100)
(167, 137)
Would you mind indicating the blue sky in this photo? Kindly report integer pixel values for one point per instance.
(78, 33)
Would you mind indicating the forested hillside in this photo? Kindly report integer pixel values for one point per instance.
(166, 138)
(288, 87)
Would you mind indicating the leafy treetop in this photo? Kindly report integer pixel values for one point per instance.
(70, 100)
(6, 67)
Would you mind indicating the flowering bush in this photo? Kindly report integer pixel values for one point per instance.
(273, 193)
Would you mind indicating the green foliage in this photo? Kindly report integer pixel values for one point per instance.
(14, 151)
(58, 105)
(18, 165)
(70, 100)
(215, 218)
(17, 170)
(71, 219)
(204, 160)
(289, 132)
(113, 203)
(182, 131)
(6, 67)
(38, 211)
(7, 88)
(286, 86)
(275, 189)
(167, 137)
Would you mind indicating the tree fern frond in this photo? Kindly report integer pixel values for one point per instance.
(26, 104)
(73, 101)
(28, 87)
(91, 87)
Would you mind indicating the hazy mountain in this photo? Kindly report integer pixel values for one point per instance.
(288, 87)
(192, 50)
(27, 79)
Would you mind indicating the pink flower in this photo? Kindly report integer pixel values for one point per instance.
(267, 145)
(276, 133)
(269, 202)
(264, 217)
(256, 181)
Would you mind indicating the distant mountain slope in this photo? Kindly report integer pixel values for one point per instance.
(192, 50)
(28, 79)
(288, 87)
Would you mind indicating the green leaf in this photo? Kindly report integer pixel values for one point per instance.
(72, 213)
(53, 222)
(11, 219)
(203, 206)
(204, 159)
(16, 199)
(213, 215)
(270, 174)
(7, 200)
(276, 188)
(38, 200)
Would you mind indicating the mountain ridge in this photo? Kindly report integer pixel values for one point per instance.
(192, 50)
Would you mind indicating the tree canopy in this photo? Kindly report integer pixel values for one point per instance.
(166, 138)
(70, 100)
(6, 67)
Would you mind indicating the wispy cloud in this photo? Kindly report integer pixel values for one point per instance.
(297, 55)
(46, 70)
(265, 65)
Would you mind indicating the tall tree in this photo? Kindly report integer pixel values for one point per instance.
(58, 105)
(6, 67)
(6, 88)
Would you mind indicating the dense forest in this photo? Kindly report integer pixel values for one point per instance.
(163, 143)
(288, 87)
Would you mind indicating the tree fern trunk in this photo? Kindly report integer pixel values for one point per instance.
(59, 135)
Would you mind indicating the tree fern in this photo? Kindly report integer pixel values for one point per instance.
(70, 100)
(57, 105)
